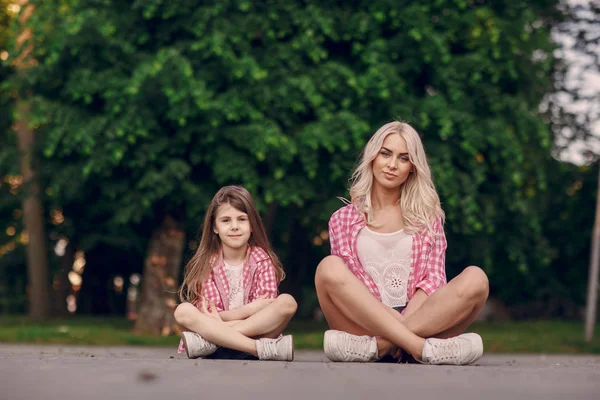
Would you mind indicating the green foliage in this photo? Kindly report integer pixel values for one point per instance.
(6, 101)
(148, 107)
(12, 254)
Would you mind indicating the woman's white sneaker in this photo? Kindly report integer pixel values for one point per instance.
(460, 350)
(280, 349)
(196, 346)
(345, 347)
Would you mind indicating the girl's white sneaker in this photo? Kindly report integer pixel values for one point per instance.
(196, 346)
(280, 349)
(345, 347)
(460, 350)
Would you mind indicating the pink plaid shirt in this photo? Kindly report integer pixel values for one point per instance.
(259, 277)
(427, 259)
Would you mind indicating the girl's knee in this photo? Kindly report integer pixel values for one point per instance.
(287, 304)
(183, 313)
(330, 270)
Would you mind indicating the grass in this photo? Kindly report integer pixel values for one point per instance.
(510, 337)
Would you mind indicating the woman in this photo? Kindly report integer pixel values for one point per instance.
(383, 290)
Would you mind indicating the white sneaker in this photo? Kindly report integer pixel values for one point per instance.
(281, 349)
(345, 347)
(460, 350)
(196, 346)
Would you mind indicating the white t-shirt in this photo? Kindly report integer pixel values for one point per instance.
(386, 258)
(236, 285)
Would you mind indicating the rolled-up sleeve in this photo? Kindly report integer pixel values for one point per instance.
(266, 280)
(434, 271)
(210, 293)
(334, 237)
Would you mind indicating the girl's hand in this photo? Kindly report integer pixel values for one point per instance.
(213, 310)
(260, 303)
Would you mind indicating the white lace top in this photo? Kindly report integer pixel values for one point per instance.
(386, 258)
(236, 285)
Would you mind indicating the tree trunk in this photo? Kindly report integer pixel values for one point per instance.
(33, 217)
(592, 293)
(37, 261)
(160, 279)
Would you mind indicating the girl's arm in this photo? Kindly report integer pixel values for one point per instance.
(247, 310)
(265, 293)
(266, 281)
(239, 313)
(210, 293)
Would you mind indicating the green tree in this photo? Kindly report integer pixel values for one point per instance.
(153, 105)
(11, 255)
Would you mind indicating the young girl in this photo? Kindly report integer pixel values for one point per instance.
(230, 285)
(383, 290)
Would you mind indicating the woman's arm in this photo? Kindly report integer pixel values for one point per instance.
(334, 236)
(415, 302)
(434, 274)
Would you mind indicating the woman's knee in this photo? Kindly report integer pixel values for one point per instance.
(331, 270)
(287, 304)
(475, 283)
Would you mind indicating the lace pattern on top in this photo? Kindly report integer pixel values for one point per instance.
(236, 287)
(386, 258)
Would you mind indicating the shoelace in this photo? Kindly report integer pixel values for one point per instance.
(446, 350)
(269, 349)
(358, 346)
(203, 344)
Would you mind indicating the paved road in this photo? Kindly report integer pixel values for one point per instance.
(29, 372)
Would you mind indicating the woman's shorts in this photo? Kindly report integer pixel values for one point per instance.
(405, 358)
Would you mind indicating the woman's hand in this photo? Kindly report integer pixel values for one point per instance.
(397, 354)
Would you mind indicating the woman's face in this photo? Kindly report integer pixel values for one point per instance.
(392, 166)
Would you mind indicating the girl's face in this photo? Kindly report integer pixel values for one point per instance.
(232, 226)
(392, 166)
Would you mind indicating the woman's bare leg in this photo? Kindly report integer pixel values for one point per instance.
(338, 321)
(452, 308)
(349, 306)
(271, 320)
(213, 330)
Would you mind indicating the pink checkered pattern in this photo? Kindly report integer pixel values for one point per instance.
(259, 278)
(427, 260)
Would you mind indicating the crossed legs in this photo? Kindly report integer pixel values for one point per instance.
(349, 306)
(239, 335)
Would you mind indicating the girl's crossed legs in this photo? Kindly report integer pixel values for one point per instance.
(349, 306)
(268, 322)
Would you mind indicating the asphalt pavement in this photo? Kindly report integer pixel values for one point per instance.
(29, 372)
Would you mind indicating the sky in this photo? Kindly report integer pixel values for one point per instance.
(583, 78)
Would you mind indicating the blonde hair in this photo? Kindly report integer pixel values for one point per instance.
(198, 268)
(419, 200)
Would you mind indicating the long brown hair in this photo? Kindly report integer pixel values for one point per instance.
(198, 268)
